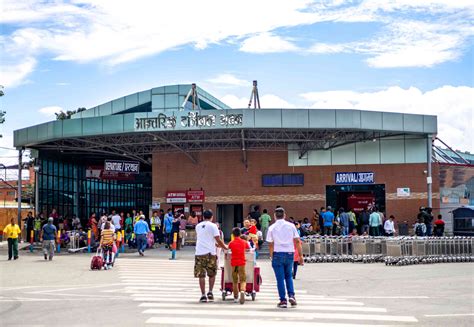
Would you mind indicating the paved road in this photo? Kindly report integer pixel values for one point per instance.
(155, 291)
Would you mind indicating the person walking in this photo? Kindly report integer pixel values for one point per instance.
(116, 221)
(264, 220)
(37, 224)
(141, 230)
(182, 229)
(282, 238)
(205, 261)
(48, 237)
(28, 223)
(12, 231)
(237, 261)
(106, 243)
(168, 223)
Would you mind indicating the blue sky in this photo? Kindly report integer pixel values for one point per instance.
(394, 55)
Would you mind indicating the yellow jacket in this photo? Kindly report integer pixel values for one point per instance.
(11, 231)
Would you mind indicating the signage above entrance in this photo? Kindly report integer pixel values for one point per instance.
(355, 178)
(192, 119)
(118, 166)
(195, 196)
(176, 197)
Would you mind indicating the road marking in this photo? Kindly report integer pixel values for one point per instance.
(452, 315)
(385, 297)
(242, 322)
(165, 302)
(252, 306)
(280, 314)
(161, 288)
(79, 287)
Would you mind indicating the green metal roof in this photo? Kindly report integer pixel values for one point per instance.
(167, 98)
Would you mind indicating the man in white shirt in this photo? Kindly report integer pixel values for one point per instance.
(283, 239)
(207, 235)
(116, 220)
(389, 226)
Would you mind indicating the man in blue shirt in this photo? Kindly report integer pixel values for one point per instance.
(168, 226)
(48, 237)
(344, 221)
(328, 218)
(141, 230)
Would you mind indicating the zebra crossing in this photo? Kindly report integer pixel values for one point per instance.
(167, 294)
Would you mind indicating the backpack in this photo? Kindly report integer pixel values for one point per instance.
(419, 230)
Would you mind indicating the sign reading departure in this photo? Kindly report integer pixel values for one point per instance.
(355, 178)
(192, 119)
(117, 166)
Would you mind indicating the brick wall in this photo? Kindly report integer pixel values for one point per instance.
(226, 180)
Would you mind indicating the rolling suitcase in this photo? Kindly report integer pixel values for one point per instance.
(97, 260)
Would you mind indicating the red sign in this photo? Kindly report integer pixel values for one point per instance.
(195, 196)
(359, 202)
(176, 197)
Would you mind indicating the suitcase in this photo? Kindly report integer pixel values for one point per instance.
(150, 240)
(97, 260)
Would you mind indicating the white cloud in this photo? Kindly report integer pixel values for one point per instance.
(267, 43)
(63, 83)
(50, 111)
(115, 32)
(407, 44)
(454, 107)
(228, 80)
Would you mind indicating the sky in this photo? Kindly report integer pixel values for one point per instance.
(389, 55)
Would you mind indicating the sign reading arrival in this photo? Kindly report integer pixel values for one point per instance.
(117, 166)
(355, 178)
(192, 119)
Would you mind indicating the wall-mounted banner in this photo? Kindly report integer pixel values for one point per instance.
(176, 197)
(117, 166)
(191, 119)
(355, 178)
(195, 196)
(403, 191)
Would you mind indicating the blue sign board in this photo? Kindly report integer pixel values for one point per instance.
(355, 178)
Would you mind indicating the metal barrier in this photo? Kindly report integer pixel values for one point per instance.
(392, 250)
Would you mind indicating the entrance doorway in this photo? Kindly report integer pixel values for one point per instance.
(229, 216)
(356, 197)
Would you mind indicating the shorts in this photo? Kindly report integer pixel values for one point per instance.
(205, 264)
(238, 274)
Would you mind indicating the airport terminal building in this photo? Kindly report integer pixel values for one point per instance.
(178, 146)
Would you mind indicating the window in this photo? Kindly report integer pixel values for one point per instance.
(11, 193)
(271, 180)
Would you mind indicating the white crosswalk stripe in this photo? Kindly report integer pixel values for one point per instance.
(168, 293)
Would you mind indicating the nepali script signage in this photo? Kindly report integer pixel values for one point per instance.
(355, 178)
(192, 119)
(118, 166)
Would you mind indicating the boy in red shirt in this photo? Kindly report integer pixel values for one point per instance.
(237, 261)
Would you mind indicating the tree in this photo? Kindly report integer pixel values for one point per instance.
(67, 115)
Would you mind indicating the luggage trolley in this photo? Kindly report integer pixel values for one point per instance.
(252, 272)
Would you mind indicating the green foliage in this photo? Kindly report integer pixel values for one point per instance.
(67, 115)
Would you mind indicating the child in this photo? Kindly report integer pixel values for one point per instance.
(296, 259)
(106, 242)
(253, 233)
(237, 261)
